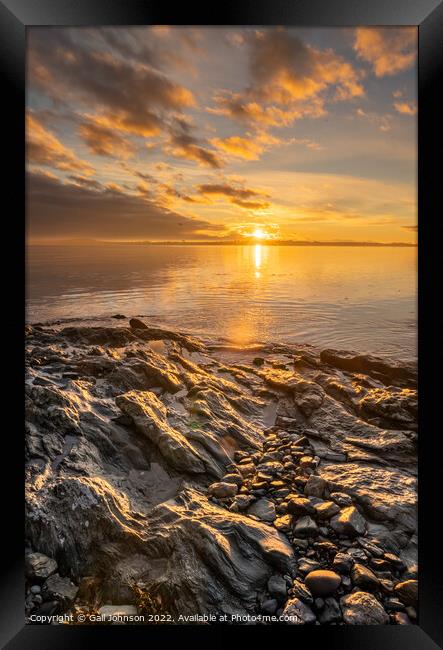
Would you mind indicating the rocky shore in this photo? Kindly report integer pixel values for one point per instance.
(172, 476)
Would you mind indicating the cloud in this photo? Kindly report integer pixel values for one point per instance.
(406, 108)
(382, 122)
(132, 95)
(244, 197)
(44, 148)
(102, 140)
(289, 80)
(413, 228)
(389, 50)
(239, 147)
(82, 209)
(184, 144)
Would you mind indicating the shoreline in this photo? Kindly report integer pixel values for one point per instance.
(192, 478)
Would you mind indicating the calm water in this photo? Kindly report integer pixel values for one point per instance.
(357, 298)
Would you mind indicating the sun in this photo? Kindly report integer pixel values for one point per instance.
(259, 234)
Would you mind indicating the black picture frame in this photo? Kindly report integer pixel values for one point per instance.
(15, 17)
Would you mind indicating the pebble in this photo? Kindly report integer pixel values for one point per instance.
(299, 613)
(39, 566)
(315, 486)
(322, 582)
(364, 578)
(407, 592)
(300, 506)
(223, 490)
(264, 509)
(330, 613)
(343, 562)
(305, 527)
(300, 591)
(349, 522)
(326, 510)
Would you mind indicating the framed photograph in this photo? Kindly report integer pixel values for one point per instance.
(222, 219)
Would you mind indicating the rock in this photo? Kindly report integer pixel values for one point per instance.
(284, 523)
(315, 486)
(35, 589)
(277, 588)
(119, 317)
(384, 493)
(264, 509)
(341, 499)
(364, 578)
(137, 324)
(407, 592)
(330, 613)
(62, 589)
(306, 564)
(361, 608)
(233, 478)
(305, 527)
(300, 591)
(401, 618)
(269, 607)
(39, 566)
(298, 613)
(246, 470)
(395, 561)
(150, 418)
(222, 490)
(300, 506)
(370, 365)
(343, 563)
(258, 361)
(349, 522)
(243, 500)
(322, 582)
(117, 613)
(326, 510)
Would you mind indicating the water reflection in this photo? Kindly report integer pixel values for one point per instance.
(354, 298)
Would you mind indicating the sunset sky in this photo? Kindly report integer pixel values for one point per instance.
(165, 133)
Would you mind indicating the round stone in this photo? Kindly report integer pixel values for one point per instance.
(322, 582)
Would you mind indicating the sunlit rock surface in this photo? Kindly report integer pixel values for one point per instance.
(132, 430)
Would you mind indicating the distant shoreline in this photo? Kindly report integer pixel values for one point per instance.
(247, 242)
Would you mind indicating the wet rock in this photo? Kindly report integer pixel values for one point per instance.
(137, 324)
(222, 490)
(349, 522)
(370, 365)
(39, 566)
(322, 582)
(264, 509)
(298, 613)
(361, 608)
(364, 578)
(305, 527)
(407, 592)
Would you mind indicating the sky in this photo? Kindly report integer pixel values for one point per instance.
(216, 133)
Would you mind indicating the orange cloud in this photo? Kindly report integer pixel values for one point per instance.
(239, 147)
(244, 197)
(388, 49)
(44, 148)
(406, 108)
(102, 140)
